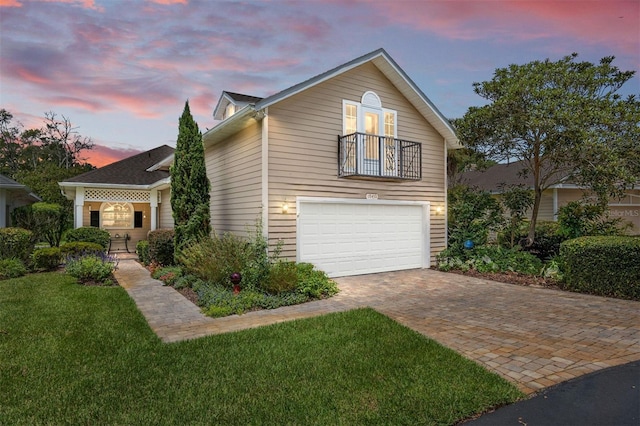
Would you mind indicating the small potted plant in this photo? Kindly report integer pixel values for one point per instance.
(235, 280)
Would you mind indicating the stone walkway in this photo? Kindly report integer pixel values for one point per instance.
(533, 337)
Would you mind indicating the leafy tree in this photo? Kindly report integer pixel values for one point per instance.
(189, 184)
(561, 119)
(463, 160)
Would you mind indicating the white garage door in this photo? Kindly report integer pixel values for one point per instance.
(351, 237)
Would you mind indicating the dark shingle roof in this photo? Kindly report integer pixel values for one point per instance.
(510, 174)
(130, 171)
(239, 97)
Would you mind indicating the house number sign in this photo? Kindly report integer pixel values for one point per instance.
(372, 196)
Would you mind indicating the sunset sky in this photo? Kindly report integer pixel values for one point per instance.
(121, 70)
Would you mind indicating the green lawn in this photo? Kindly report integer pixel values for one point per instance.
(84, 355)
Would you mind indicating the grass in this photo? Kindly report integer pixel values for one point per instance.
(71, 354)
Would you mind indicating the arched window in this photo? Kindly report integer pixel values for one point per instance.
(114, 215)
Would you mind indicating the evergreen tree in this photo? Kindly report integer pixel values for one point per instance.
(189, 184)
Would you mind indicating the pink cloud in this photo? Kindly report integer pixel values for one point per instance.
(10, 3)
(170, 2)
(613, 22)
(102, 155)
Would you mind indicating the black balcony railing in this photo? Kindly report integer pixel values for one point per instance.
(365, 155)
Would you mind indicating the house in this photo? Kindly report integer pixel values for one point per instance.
(13, 195)
(347, 169)
(128, 198)
(494, 179)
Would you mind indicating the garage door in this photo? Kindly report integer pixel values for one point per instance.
(351, 237)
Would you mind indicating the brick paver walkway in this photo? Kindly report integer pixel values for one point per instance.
(533, 337)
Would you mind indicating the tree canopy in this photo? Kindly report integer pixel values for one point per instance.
(189, 184)
(562, 119)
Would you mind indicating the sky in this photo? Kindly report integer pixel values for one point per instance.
(121, 70)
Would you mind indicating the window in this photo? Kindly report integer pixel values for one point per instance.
(229, 110)
(117, 215)
(137, 219)
(368, 117)
(95, 219)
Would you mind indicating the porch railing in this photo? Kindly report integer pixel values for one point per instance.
(365, 155)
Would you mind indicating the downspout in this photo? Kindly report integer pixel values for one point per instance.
(265, 174)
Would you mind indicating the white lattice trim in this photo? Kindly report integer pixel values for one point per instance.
(128, 195)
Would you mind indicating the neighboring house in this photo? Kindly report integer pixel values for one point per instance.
(128, 197)
(347, 169)
(496, 178)
(13, 195)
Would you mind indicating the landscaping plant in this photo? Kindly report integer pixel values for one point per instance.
(11, 268)
(46, 259)
(92, 268)
(16, 243)
(88, 234)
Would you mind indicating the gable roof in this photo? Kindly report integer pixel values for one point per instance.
(130, 171)
(237, 99)
(381, 59)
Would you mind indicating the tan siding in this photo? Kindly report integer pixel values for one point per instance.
(546, 206)
(234, 169)
(303, 153)
(165, 215)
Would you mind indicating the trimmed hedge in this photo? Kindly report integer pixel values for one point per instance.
(80, 247)
(161, 246)
(46, 259)
(16, 243)
(605, 266)
(142, 250)
(89, 234)
(11, 268)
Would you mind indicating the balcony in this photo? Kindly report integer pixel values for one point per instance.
(380, 157)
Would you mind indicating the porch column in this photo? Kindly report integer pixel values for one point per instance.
(78, 212)
(153, 201)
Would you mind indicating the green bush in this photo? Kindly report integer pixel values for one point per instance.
(167, 274)
(283, 277)
(11, 268)
(46, 259)
(50, 220)
(142, 250)
(79, 247)
(16, 243)
(578, 219)
(486, 259)
(89, 234)
(313, 283)
(92, 268)
(606, 266)
(161, 246)
(472, 214)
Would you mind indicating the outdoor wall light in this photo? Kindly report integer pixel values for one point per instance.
(285, 208)
(89, 207)
(439, 210)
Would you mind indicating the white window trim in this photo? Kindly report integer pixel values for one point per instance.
(360, 116)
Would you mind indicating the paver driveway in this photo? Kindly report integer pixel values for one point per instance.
(534, 337)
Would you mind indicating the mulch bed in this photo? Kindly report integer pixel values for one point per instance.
(512, 278)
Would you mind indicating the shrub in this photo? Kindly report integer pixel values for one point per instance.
(314, 283)
(490, 259)
(167, 274)
(606, 266)
(283, 277)
(89, 234)
(46, 259)
(142, 250)
(472, 214)
(578, 219)
(16, 243)
(161, 246)
(92, 268)
(215, 259)
(79, 247)
(50, 220)
(11, 268)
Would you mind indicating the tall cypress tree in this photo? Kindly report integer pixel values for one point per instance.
(189, 184)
